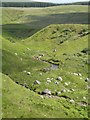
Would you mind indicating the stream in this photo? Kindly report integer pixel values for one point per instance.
(54, 66)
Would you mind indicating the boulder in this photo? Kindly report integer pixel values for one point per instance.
(16, 54)
(75, 74)
(87, 80)
(37, 82)
(28, 73)
(46, 91)
(56, 82)
(66, 84)
(72, 101)
(59, 78)
(49, 81)
(79, 74)
(63, 90)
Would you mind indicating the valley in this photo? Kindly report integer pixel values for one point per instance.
(45, 62)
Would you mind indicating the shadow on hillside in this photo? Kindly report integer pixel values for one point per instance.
(27, 29)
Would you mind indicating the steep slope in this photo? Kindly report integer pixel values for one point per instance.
(57, 51)
(31, 105)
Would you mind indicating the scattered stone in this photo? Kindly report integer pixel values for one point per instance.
(49, 81)
(87, 80)
(51, 78)
(59, 78)
(84, 98)
(50, 96)
(69, 83)
(24, 71)
(79, 74)
(56, 82)
(72, 101)
(28, 49)
(16, 54)
(28, 73)
(66, 84)
(58, 93)
(37, 82)
(75, 74)
(46, 91)
(21, 59)
(40, 73)
(68, 90)
(41, 96)
(54, 50)
(72, 90)
(63, 90)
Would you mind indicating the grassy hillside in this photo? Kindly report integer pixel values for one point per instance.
(39, 53)
(34, 19)
(31, 105)
(21, 58)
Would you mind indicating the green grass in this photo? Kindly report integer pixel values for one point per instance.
(31, 105)
(34, 19)
(22, 53)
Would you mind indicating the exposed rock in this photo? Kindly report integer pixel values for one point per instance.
(75, 74)
(28, 73)
(68, 90)
(16, 54)
(54, 50)
(72, 90)
(72, 101)
(87, 80)
(84, 98)
(24, 71)
(63, 90)
(28, 49)
(46, 91)
(56, 82)
(59, 78)
(41, 96)
(37, 82)
(66, 84)
(49, 81)
(79, 74)
(40, 73)
(58, 93)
